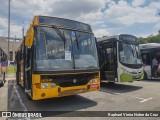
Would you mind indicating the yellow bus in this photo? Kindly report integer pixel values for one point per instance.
(58, 57)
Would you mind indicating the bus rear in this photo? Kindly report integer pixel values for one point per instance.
(60, 58)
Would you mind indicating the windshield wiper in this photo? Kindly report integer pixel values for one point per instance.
(130, 48)
(134, 51)
(61, 35)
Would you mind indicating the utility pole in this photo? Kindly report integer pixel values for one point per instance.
(8, 26)
(23, 31)
(159, 29)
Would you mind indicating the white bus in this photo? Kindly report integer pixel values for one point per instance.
(119, 59)
(150, 51)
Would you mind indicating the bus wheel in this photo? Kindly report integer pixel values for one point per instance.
(111, 83)
(17, 79)
(28, 97)
(17, 83)
(1, 83)
(145, 76)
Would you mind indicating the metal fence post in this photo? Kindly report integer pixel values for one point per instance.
(4, 77)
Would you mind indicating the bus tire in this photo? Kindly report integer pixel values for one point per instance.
(28, 97)
(1, 83)
(17, 83)
(145, 76)
(17, 79)
(111, 83)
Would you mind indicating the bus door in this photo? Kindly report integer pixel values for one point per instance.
(155, 55)
(28, 70)
(109, 61)
(18, 68)
(147, 64)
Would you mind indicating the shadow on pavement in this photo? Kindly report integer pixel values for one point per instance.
(151, 80)
(63, 104)
(118, 88)
(1, 83)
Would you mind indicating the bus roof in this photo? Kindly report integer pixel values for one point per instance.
(63, 22)
(149, 46)
(61, 18)
(107, 38)
(121, 37)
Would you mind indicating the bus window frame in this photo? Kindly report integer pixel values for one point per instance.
(133, 66)
(60, 71)
(113, 42)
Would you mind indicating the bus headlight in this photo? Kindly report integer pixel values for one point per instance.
(95, 80)
(91, 81)
(44, 85)
(52, 85)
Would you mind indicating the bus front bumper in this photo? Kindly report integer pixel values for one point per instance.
(62, 91)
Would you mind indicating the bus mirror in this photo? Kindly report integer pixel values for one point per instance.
(31, 24)
(29, 37)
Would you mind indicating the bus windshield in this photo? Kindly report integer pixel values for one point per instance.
(64, 50)
(129, 53)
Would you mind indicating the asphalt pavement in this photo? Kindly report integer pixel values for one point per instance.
(137, 96)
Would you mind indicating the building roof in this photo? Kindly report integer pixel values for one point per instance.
(13, 44)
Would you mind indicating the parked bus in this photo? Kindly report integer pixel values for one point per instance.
(57, 58)
(119, 59)
(149, 52)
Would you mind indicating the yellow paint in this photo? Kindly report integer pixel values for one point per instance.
(29, 37)
(53, 92)
(35, 21)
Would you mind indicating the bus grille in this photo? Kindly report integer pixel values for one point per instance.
(137, 77)
(70, 80)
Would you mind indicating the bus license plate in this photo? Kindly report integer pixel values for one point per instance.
(94, 85)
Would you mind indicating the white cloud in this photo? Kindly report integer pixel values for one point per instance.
(101, 32)
(121, 13)
(155, 5)
(87, 11)
(146, 35)
(124, 13)
(157, 26)
(14, 29)
(63, 8)
(93, 19)
(4, 22)
(137, 3)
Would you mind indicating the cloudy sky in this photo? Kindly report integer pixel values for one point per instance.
(106, 17)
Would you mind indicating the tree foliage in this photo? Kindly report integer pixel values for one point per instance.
(149, 39)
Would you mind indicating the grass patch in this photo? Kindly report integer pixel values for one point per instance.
(11, 69)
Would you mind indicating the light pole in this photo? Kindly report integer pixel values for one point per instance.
(23, 32)
(8, 26)
(159, 29)
(23, 28)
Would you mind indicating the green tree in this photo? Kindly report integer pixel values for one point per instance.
(150, 39)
